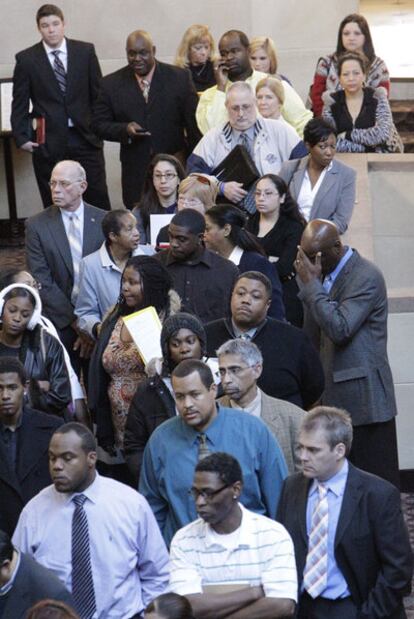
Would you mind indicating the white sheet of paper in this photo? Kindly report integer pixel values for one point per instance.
(156, 223)
(6, 96)
(145, 329)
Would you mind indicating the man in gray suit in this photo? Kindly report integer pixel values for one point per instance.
(56, 240)
(240, 367)
(345, 302)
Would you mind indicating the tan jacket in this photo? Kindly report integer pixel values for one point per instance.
(283, 419)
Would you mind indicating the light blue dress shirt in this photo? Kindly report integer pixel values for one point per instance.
(128, 556)
(170, 458)
(336, 585)
(329, 280)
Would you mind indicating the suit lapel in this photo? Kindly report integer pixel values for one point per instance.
(33, 443)
(58, 234)
(43, 63)
(352, 496)
(298, 175)
(156, 90)
(71, 72)
(327, 184)
(21, 595)
(302, 501)
(6, 472)
(343, 275)
(90, 229)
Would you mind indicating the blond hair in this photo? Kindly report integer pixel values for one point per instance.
(274, 85)
(194, 34)
(269, 47)
(194, 186)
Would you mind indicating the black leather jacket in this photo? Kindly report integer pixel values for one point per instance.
(44, 360)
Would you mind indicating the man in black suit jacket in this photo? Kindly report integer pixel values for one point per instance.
(63, 100)
(291, 367)
(369, 561)
(24, 440)
(23, 582)
(149, 107)
(49, 253)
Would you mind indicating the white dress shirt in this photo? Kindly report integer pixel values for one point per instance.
(128, 556)
(307, 193)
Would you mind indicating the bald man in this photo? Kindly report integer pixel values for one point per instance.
(149, 107)
(345, 301)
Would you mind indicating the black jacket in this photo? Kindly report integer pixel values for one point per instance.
(169, 116)
(151, 406)
(32, 465)
(292, 370)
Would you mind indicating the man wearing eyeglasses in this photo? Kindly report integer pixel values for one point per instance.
(231, 562)
(345, 300)
(201, 428)
(56, 240)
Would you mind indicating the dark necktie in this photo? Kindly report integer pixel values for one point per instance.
(245, 141)
(59, 70)
(82, 581)
(203, 450)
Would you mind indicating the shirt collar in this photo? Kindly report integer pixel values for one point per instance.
(4, 427)
(246, 537)
(236, 255)
(91, 492)
(62, 47)
(255, 404)
(334, 274)
(78, 213)
(213, 432)
(205, 258)
(336, 483)
(147, 78)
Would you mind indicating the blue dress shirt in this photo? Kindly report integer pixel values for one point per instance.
(170, 458)
(336, 586)
(329, 280)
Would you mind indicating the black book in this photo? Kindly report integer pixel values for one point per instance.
(237, 166)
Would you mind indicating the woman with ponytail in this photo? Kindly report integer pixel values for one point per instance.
(226, 234)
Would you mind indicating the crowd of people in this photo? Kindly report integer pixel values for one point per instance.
(248, 467)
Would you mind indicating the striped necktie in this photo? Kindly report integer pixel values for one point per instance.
(59, 70)
(75, 244)
(203, 450)
(145, 89)
(315, 575)
(82, 582)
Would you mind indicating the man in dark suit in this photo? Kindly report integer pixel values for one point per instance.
(291, 367)
(60, 77)
(345, 301)
(23, 582)
(149, 107)
(24, 440)
(352, 549)
(56, 240)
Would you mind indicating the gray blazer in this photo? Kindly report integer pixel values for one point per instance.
(50, 260)
(335, 198)
(283, 420)
(351, 324)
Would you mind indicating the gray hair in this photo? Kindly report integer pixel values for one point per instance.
(248, 351)
(335, 422)
(236, 86)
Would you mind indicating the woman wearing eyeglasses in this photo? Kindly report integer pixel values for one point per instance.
(159, 195)
(278, 226)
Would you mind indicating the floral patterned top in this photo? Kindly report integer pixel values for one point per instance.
(121, 360)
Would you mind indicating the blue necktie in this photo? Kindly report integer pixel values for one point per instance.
(59, 70)
(82, 582)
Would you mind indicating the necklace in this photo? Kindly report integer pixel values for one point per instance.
(198, 73)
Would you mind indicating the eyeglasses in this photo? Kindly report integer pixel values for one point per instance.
(207, 495)
(168, 176)
(64, 184)
(234, 370)
(265, 194)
